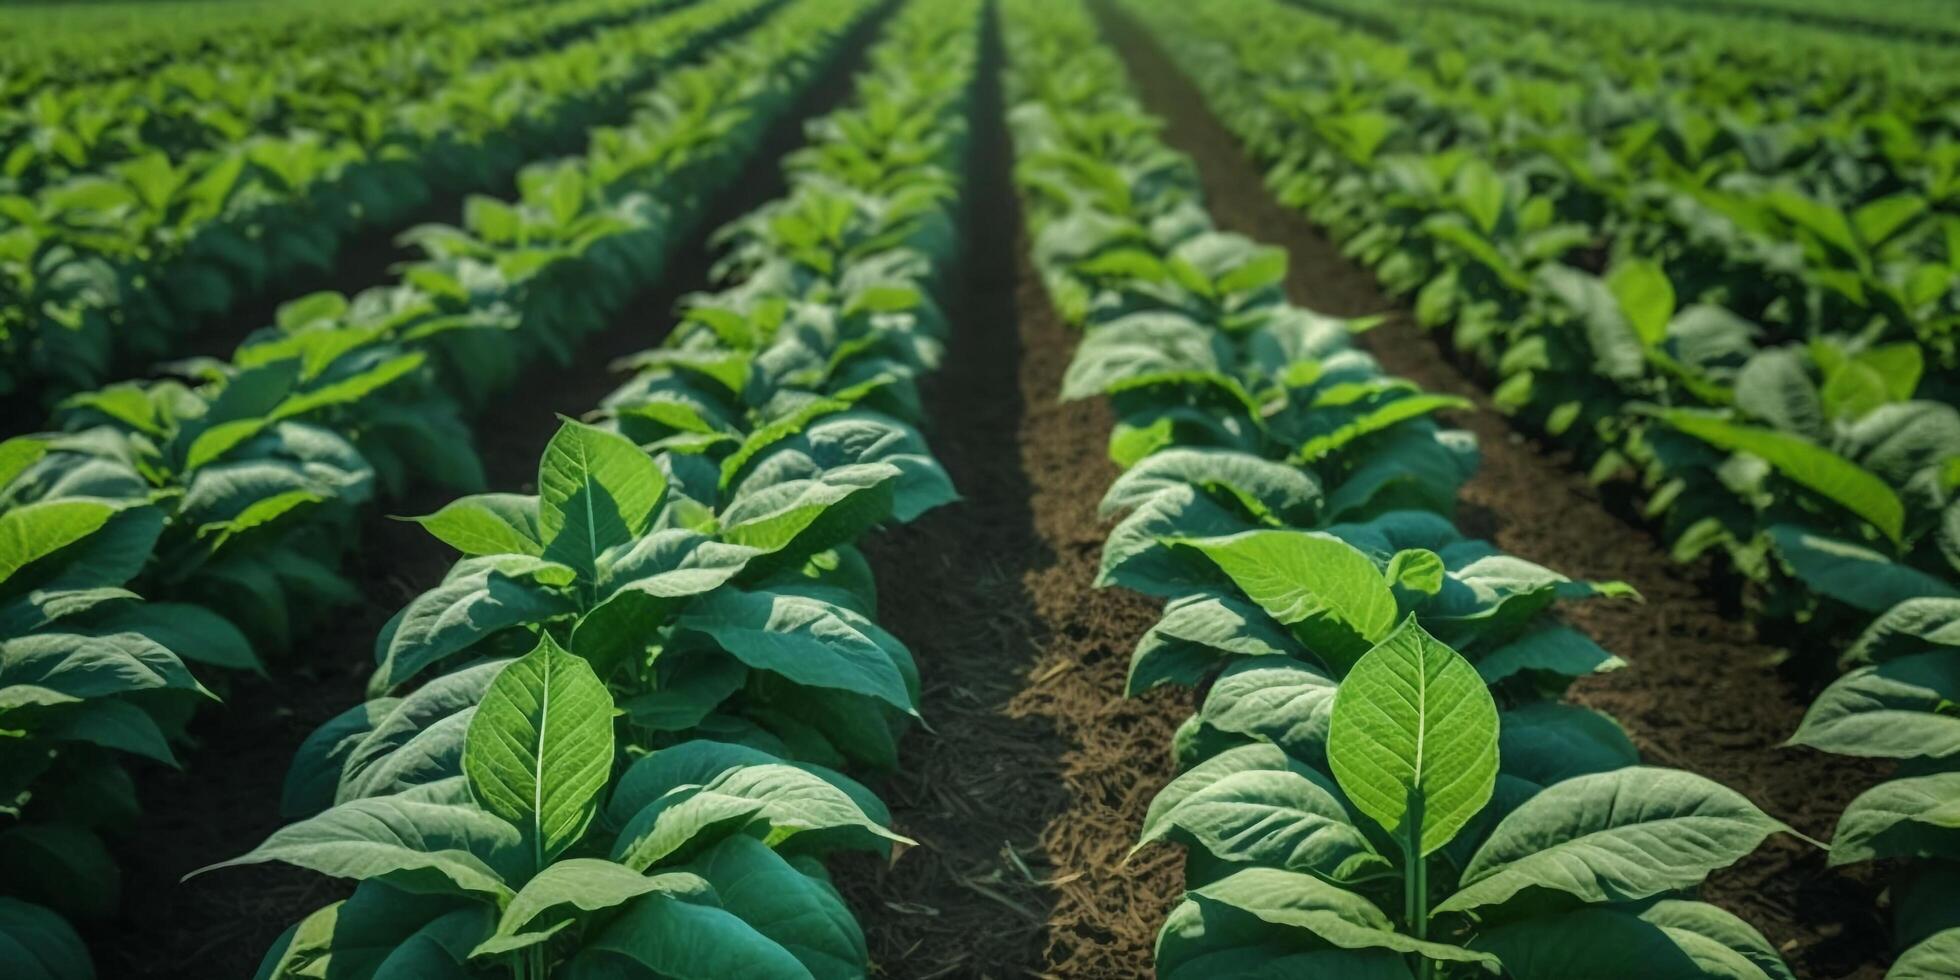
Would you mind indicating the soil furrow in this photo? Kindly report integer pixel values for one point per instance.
(1702, 692)
(1032, 784)
(226, 798)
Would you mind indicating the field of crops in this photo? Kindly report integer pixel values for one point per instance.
(819, 489)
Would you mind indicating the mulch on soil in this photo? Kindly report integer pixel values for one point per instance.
(226, 798)
(1029, 790)
(1702, 693)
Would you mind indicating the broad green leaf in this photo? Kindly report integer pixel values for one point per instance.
(1414, 738)
(566, 888)
(80, 666)
(1287, 703)
(803, 516)
(1803, 462)
(1263, 487)
(779, 801)
(1899, 709)
(1935, 958)
(1547, 742)
(1615, 836)
(1254, 805)
(1915, 817)
(466, 609)
(702, 761)
(435, 848)
(1199, 632)
(36, 944)
(1332, 594)
(1416, 569)
(488, 524)
(595, 490)
(1207, 941)
(808, 641)
(1334, 914)
(540, 747)
(1910, 627)
(1852, 573)
(192, 632)
(1552, 649)
(111, 723)
(19, 453)
(684, 941)
(798, 911)
(1595, 942)
(1384, 416)
(40, 529)
(1646, 297)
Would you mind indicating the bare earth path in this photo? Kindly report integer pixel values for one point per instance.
(1032, 785)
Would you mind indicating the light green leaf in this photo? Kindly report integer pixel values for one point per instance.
(1614, 836)
(566, 888)
(1329, 592)
(1646, 297)
(540, 747)
(1803, 462)
(40, 529)
(595, 490)
(1935, 958)
(1899, 709)
(488, 524)
(777, 801)
(1414, 738)
(1916, 817)
(1334, 914)
(433, 848)
(808, 641)
(1255, 805)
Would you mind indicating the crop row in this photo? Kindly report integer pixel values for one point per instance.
(649, 790)
(338, 88)
(104, 268)
(57, 45)
(1382, 780)
(1814, 468)
(173, 526)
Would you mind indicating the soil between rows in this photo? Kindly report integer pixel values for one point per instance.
(1033, 783)
(225, 800)
(1701, 692)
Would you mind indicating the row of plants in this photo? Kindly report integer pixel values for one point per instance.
(107, 269)
(1925, 21)
(1813, 195)
(184, 529)
(1824, 472)
(69, 44)
(335, 88)
(1383, 779)
(609, 743)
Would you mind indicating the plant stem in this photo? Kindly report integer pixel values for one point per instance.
(1415, 886)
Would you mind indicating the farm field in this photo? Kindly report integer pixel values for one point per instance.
(818, 489)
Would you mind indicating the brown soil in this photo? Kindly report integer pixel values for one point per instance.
(1032, 784)
(226, 798)
(1702, 693)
